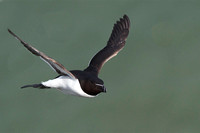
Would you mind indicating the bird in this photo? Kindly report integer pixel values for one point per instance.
(83, 83)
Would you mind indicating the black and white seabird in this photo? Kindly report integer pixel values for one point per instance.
(84, 83)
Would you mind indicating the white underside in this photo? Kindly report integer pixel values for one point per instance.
(67, 85)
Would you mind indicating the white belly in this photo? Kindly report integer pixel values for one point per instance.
(67, 85)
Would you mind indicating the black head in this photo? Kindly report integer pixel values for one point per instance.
(92, 87)
(90, 83)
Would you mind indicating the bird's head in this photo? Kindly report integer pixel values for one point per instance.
(93, 87)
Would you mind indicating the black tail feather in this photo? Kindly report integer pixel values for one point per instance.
(41, 86)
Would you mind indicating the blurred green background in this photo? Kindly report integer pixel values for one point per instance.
(153, 84)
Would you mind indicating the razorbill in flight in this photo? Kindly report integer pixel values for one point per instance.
(85, 83)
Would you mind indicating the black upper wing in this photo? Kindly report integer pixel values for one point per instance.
(59, 68)
(115, 43)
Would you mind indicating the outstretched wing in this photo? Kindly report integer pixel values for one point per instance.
(115, 43)
(59, 68)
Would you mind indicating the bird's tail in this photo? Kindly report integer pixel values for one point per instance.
(41, 86)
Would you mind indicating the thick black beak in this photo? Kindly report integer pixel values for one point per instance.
(104, 89)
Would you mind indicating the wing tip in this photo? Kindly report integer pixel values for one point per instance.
(16, 37)
(122, 24)
(127, 20)
(120, 28)
(11, 32)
